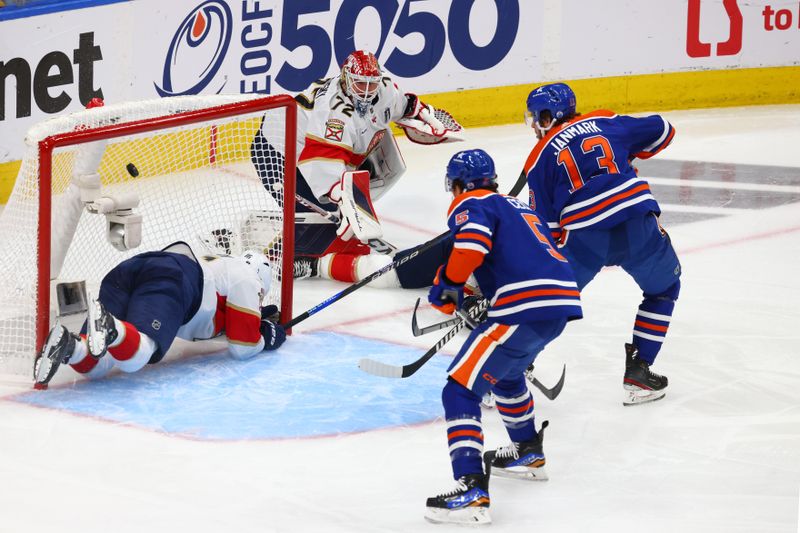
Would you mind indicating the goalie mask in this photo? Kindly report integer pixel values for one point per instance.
(361, 79)
(260, 264)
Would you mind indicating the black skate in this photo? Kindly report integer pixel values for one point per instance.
(519, 460)
(305, 267)
(641, 384)
(100, 329)
(468, 503)
(58, 348)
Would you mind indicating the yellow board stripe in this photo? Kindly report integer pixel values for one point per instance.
(622, 94)
(631, 94)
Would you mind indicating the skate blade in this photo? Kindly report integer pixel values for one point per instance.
(45, 365)
(488, 402)
(468, 516)
(95, 334)
(637, 396)
(521, 472)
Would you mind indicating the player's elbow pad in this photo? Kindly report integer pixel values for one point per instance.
(273, 334)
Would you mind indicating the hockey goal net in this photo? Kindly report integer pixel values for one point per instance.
(185, 166)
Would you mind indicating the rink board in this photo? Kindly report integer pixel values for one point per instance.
(311, 387)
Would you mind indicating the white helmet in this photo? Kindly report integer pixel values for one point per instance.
(260, 264)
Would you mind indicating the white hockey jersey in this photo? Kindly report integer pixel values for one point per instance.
(332, 137)
(230, 306)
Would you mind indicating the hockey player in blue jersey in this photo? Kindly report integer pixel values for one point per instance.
(602, 213)
(151, 298)
(533, 294)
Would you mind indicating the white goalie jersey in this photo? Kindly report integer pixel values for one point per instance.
(333, 137)
(230, 306)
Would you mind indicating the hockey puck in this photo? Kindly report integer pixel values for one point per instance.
(132, 170)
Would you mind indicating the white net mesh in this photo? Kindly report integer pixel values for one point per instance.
(195, 183)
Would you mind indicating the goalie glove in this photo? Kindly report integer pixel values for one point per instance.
(274, 335)
(359, 219)
(425, 124)
(417, 109)
(444, 295)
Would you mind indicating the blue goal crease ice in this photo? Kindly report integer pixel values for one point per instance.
(310, 387)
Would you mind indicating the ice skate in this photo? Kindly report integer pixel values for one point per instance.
(488, 401)
(101, 330)
(467, 504)
(640, 383)
(305, 267)
(58, 348)
(520, 460)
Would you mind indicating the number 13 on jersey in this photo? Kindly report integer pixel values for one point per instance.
(604, 159)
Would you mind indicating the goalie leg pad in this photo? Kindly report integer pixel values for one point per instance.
(356, 205)
(352, 268)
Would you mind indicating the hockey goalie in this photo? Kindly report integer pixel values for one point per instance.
(347, 159)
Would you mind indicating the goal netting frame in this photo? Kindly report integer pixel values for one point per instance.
(215, 112)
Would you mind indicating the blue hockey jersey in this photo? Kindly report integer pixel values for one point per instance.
(505, 244)
(580, 173)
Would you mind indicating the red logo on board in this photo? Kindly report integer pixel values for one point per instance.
(696, 48)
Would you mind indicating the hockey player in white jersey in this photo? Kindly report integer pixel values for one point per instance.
(151, 298)
(340, 122)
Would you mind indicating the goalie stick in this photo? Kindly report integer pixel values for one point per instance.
(515, 190)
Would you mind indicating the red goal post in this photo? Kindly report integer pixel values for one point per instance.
(187, 162)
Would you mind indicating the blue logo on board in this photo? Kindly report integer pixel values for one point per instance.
(197, 50)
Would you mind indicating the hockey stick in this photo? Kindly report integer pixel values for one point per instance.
(379, 245)
(552, 393)
(474, 312)
(355, 286)
(417, 331)
(385, 370)
(515, 190)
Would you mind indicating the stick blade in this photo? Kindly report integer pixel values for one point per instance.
(552, 394)
(377, 368)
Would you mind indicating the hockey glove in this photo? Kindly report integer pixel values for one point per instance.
(417, 109)
(470, 303)
(273, 334)
(445, 295)
(270, 312)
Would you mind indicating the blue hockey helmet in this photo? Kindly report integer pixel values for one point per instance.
(556, 98)
(473, 168)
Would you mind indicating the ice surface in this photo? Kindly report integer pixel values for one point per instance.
(200, 443)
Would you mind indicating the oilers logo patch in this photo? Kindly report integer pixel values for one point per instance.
(334, 129)
(462, 217)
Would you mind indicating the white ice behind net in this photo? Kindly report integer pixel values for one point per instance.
(195, 183)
